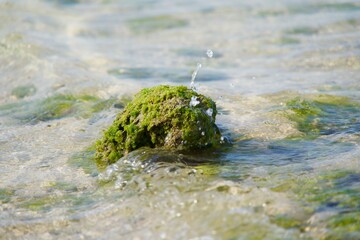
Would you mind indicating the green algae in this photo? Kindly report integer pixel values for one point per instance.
(48, 202)
(57, 107)
(43, 203)
(344, 226)
(161, 116)
(208, 170)
(303, 112)
(323, 6)
(63, 186)
(344, 6)
(287, 41)
(332, 99)
(85, 161)
(6, 195)
(322, 114)
(354, 22)
(336, 191)
(24, 91)
(100, 105)
(65, 2)
(342, 26)
(271, 12)
(54, 108)
(285, 221)
(302, 31)
(156, 23)
(303, 107)
(58, 194)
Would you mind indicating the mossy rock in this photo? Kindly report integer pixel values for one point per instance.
(172, 117)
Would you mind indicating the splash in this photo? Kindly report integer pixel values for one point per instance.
(209, 54)
(193, 76)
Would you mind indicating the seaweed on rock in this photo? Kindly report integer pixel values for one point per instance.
(173, 117)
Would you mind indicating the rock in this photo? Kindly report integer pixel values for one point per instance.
(172, 117)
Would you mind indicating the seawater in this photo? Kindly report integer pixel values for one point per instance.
(284, 75)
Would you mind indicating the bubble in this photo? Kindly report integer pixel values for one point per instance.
(209, 53)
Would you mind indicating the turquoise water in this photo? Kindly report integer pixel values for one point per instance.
(285, 78)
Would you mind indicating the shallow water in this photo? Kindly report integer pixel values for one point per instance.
(285, 77)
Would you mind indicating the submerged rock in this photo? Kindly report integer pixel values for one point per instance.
(173, 117)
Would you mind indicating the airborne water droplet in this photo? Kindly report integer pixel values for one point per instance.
(193, 76)
(209, 53)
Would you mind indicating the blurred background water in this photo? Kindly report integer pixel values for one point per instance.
(285, 77)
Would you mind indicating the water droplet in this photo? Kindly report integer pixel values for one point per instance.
(193, 76)
(203, 133)
(209, 53)
(194, 101)
(209, 112)
(225, 139)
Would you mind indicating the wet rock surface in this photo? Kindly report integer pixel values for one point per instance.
(162, 116)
